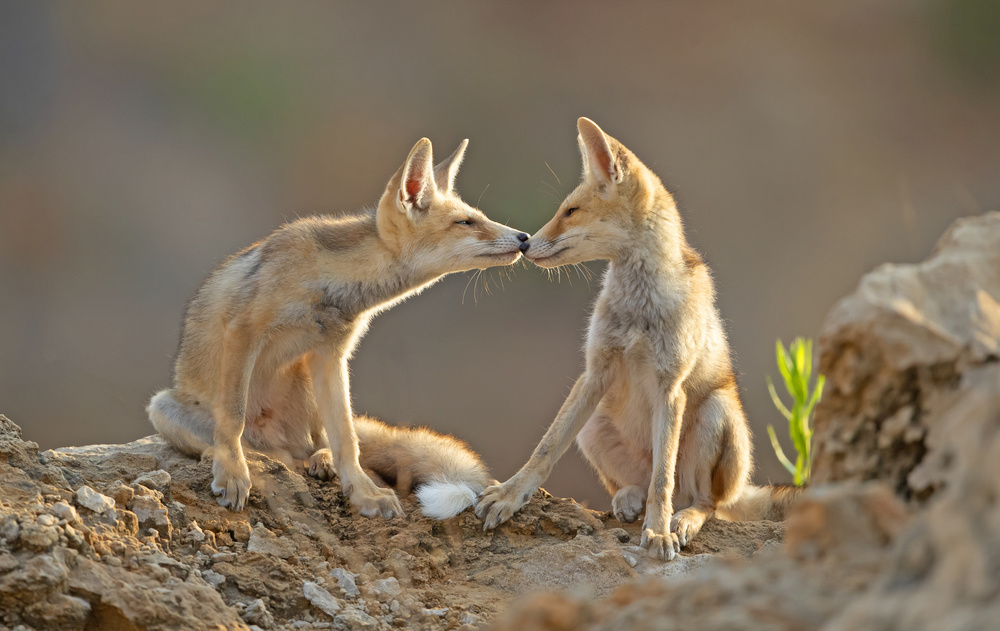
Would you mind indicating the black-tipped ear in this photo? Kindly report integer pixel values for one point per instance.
(416, 186)
(444, 173)
(598, 159)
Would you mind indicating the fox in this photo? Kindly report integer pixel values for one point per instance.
(266, 339)
(656, 412)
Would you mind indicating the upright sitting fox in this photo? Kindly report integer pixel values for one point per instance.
(267, 337)
(657, 411)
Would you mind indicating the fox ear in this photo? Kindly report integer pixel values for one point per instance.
(598, 160)
(416, 186)
(444, 173)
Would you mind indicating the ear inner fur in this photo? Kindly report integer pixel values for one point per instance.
(599, 155)
(418, 177)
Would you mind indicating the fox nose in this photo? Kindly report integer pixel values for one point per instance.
(523, 238)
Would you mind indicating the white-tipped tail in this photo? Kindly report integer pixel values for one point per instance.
(444, 500)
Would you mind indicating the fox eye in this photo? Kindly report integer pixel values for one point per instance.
(570, 211)
(465, 222)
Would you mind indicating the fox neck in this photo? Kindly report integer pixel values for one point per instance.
(387, 277)
(657, 245)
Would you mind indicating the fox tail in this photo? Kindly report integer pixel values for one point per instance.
(762, 502)
(444, 473)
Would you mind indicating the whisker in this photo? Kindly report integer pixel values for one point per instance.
(481, 195)
(471, 278)
(553, 173)
(482, 277)
(487, 277)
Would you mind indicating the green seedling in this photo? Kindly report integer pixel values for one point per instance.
(795, 365)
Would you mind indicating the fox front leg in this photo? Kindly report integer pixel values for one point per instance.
(230, 474)
(332, 391)
(499, 502)
(657, 537)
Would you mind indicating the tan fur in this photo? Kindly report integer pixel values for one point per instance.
(656, 411)
(266, 339)
(406, 457)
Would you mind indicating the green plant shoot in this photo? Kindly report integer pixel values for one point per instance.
(795, 365)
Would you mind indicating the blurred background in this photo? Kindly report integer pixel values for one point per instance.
(141, 143)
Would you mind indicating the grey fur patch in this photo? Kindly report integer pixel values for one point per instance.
(343, 233)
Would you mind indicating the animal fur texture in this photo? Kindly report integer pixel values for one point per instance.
(656, 412)
(266, 341)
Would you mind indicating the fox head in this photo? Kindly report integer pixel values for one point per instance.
(606, 212)
(421, 217)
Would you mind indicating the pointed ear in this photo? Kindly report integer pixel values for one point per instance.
(416, 185)
(444, 173)
(598, 159)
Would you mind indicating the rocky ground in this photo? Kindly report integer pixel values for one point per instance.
(128, 536)
(902, 533)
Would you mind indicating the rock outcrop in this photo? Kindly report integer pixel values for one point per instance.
(895, 352)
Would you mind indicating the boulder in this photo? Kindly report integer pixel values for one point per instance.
(894, 353)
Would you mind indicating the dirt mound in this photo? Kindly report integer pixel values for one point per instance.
(129, 536)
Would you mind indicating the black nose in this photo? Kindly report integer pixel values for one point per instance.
(523, 236)
(524, 246)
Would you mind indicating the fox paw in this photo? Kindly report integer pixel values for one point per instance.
(499, 502)
(321, 465)
(660, 546)
(377, 501)
(232, 488)
(686, 524)
(628, 503)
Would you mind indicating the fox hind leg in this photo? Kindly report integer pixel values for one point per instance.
(188, 427)
(320, 461)
(713, 462)
(624, 470)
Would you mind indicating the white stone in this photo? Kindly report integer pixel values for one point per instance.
(355, 619)
(631, 557)
(195, 533)
(158, 480)
(151, 514)
(64, 511)
(469, 618)
(386, 588)
(346, 582)
(94, 501)
(320, 598)
(266, 542)
(10, 530)
(47, 520)
(213, 578)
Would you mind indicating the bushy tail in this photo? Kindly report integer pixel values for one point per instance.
(761, 502)
(444, 473)
(444, 500)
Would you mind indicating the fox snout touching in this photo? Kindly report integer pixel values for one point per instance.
(656, 412)
(266, 339)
